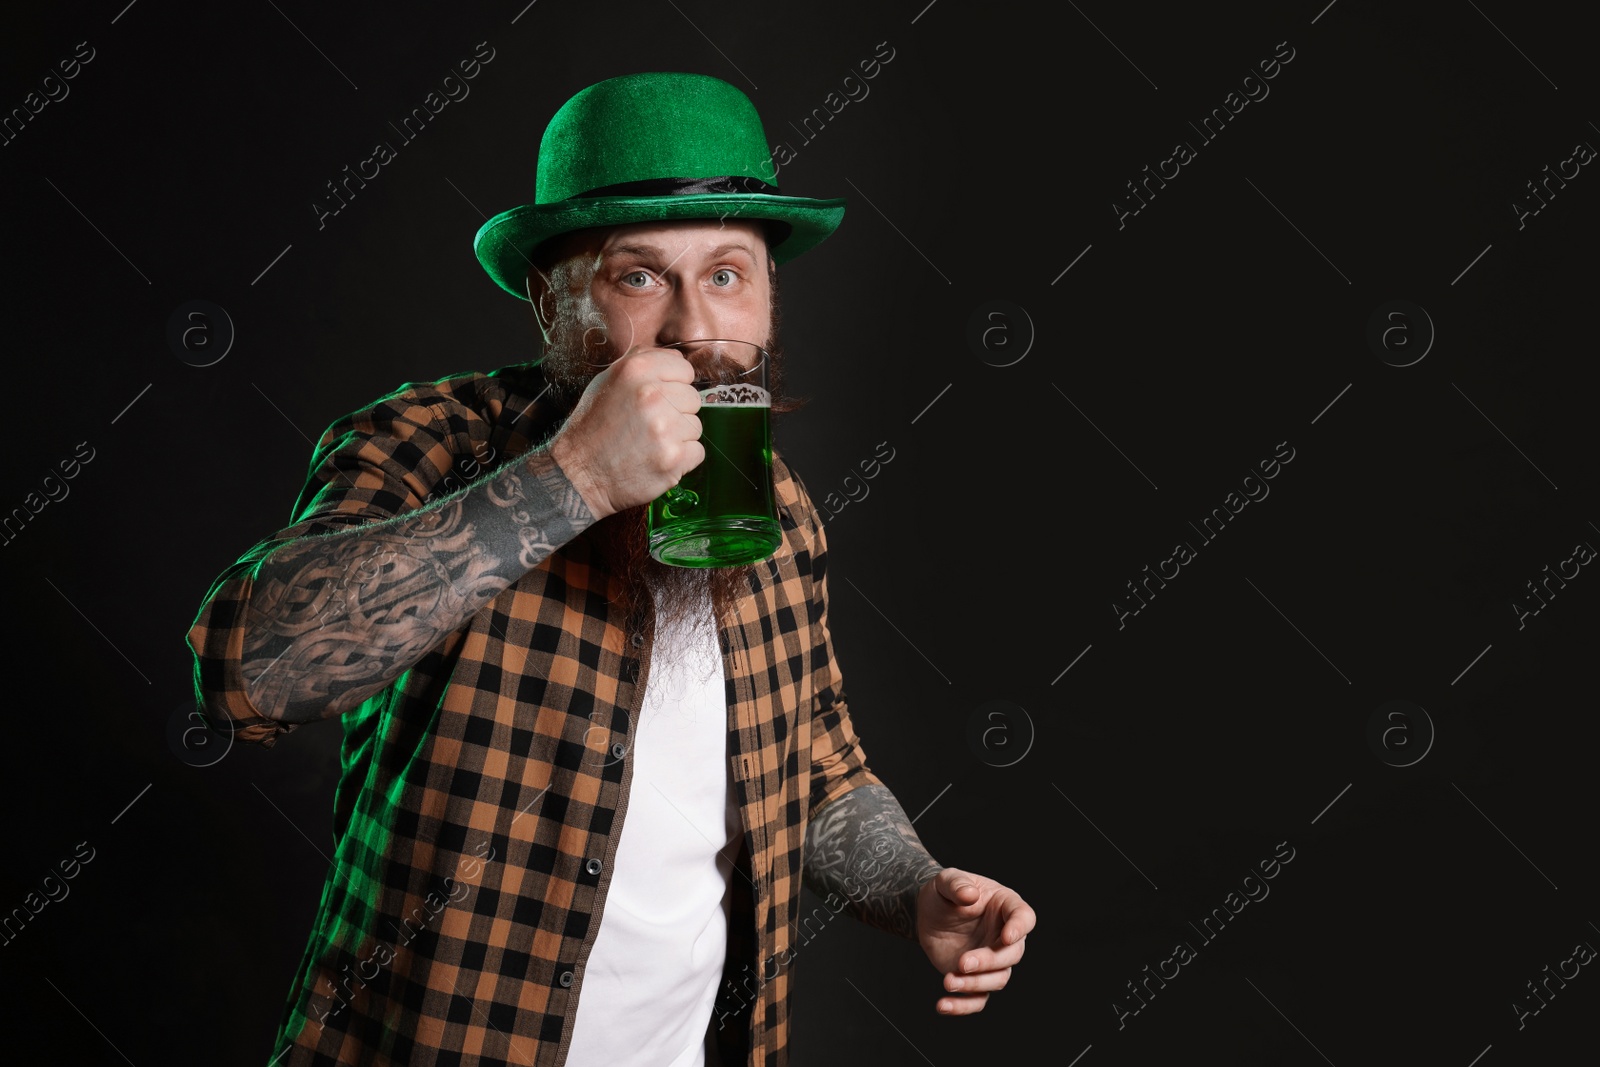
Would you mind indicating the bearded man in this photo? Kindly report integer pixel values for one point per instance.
(581, 789)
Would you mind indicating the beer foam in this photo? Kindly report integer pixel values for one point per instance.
(737, 394)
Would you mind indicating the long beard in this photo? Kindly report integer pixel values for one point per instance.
(686, 598)
(689, 598)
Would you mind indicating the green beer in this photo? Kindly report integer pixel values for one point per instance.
(722, 513)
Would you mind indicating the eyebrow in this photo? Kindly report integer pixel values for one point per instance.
(652, 252)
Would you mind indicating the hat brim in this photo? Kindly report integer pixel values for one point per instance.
(505, 243)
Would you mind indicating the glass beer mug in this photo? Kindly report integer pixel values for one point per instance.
(722, 513)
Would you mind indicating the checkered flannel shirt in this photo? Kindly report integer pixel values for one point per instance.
(482, 794)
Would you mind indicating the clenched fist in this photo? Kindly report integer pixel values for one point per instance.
(634, 432)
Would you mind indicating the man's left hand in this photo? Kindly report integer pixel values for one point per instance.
(973, 930)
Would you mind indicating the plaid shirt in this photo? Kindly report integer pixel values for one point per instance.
(482, 794)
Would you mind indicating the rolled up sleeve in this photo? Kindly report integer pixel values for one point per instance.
(838, 762)
(368, 466)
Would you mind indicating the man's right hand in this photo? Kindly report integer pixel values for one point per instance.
(634, 432)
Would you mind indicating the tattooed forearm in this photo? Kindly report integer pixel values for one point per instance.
(862, 847)
(334, 619)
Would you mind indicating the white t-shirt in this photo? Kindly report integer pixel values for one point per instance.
(652, 975)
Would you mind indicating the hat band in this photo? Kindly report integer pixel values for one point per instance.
(683, 187)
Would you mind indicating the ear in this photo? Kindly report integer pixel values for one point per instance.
(537, 285)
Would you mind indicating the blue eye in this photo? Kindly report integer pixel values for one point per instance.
(636, 274)
(723, 285)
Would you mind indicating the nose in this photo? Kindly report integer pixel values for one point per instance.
(689, 318)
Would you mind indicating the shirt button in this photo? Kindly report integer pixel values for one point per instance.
(593, 866)
(566, 979)
(638, 640)
(618, 749)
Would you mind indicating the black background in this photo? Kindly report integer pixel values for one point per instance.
(1225, 318)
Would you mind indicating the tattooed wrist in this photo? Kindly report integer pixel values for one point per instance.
(334, 618)
(861, 847)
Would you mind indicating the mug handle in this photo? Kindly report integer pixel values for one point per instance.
(682, 498)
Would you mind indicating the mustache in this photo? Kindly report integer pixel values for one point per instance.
(712, 365)
(710, 361)
(577, 356)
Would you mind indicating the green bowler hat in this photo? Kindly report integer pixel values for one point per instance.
(648, 148)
